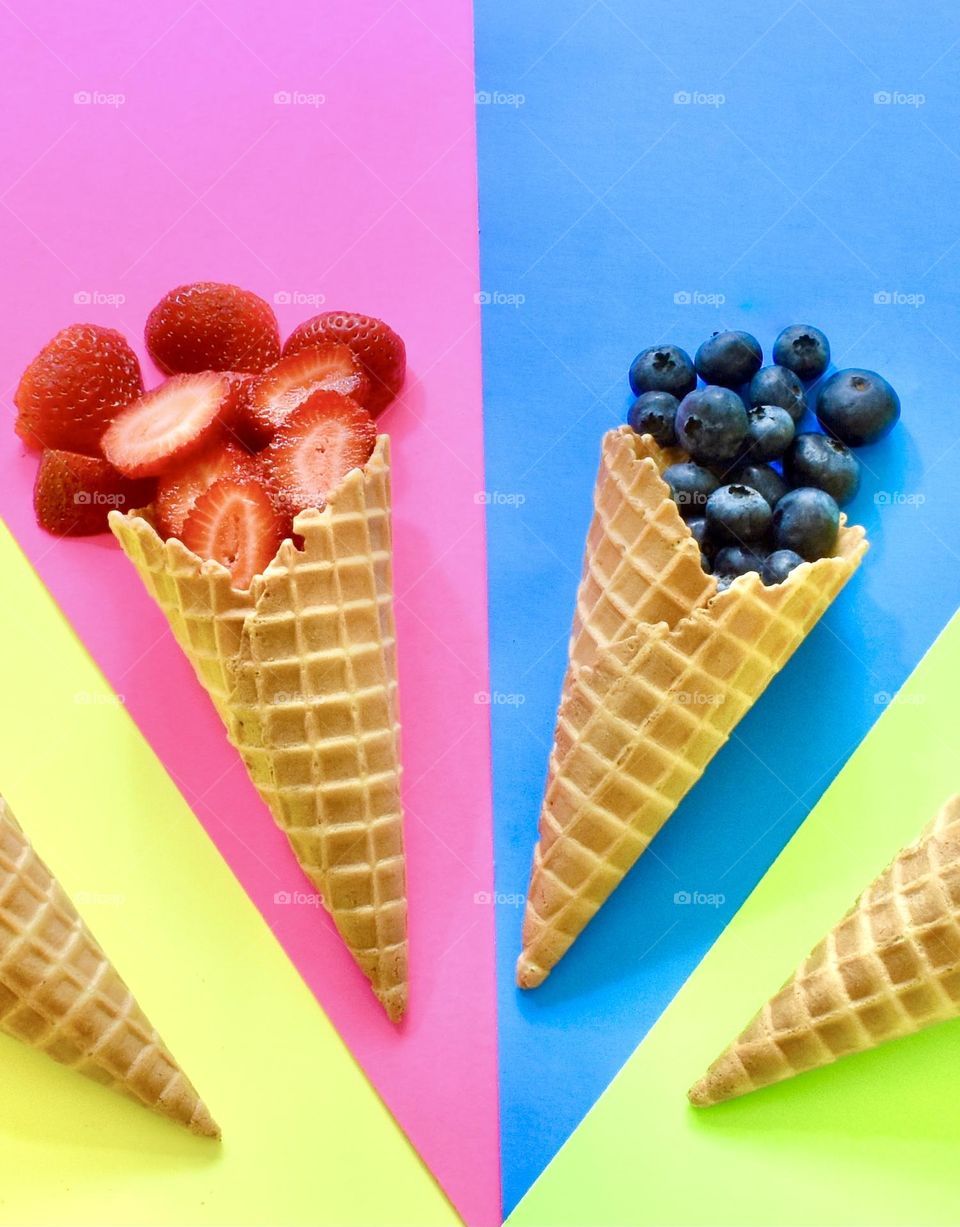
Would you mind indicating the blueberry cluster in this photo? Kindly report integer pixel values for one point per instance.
(757, 495)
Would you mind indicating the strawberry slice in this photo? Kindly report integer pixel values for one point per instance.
(318, 444)
(179, 488)
(235, 523)
(329, 366)
(169, 423)
(73, 494)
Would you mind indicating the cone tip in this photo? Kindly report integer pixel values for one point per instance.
(203, 1124)
(699, 1094)
(529, 973)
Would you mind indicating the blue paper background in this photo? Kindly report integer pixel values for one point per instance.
(798, 198)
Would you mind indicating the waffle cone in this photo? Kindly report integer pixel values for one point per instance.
(302, 669)
(890, 968)
(60, 993)
(662, 666)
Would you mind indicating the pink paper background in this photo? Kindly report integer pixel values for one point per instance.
(367, 198)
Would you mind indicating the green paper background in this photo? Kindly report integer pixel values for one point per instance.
(873, 1139)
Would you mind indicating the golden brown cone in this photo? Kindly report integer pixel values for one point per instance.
(60, 993)
(302, 669)
(890, 968)
(662, 667)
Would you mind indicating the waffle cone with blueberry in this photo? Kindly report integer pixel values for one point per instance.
(60, 993)
(891, 967)
(664, 661)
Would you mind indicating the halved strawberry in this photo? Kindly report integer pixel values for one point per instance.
(235, 523)
(212, 326)
(75, 387)
(318, 444)
(169, 423)
(380, 350)
(179, 488)
(277, 392)
(73, 494)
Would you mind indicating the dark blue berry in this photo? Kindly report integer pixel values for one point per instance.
(769, 432)
(803, 349)
(712, 424)
(822, 461)
(663, 368)
(806, 521)
(737, 513)
(857, 407)
(777, 385)
(778, 565)
(734, 560)
(690, 487)
(654, 413)
(763, 479)
(729, 359)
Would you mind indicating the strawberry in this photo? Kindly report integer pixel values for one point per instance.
(179, 488)
(209, 326)
(169, 423)
(75, 387)
(73, 493)
(318, 444)
(277, 392)
(235, 523)
(380, 351)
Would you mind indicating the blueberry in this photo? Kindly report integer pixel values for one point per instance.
(803, 349)
(654, 413)
(777, 385)
(737, 513)
(769, 432)
(806, 521)
(763, 479)
(857, 407)
(778, 565)
(712, 424)
(729, 359)
(700, 534)
(690, 487)
(734, 560)
(663, 368)
(821, 461)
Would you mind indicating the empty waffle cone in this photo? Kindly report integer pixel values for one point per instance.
(662, 666)
(302, 669)
(60, 993)
(890, 968)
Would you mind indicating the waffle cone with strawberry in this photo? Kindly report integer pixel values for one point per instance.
(267, 544)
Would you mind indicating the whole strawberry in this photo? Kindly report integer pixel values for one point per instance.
(379, 349)
(75, 387)
(73, 494)
(210, 326)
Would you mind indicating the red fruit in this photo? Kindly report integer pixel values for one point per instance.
(380, 351)
(277, 392)
(209, 326)
(235, 523)
(73, 494)
(75, 387)
(179, 488)
(318, 444)
(169, 423)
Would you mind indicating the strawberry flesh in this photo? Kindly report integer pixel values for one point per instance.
(211, 326)
(314, 449)
(378, 348)
(179, 488)
(236, 524)
(328, 366)
(73, 494)
(169, 424)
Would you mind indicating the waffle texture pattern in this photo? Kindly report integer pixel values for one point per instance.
(60, 993)
(662, 666)
(890, 968)
(302, 669)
